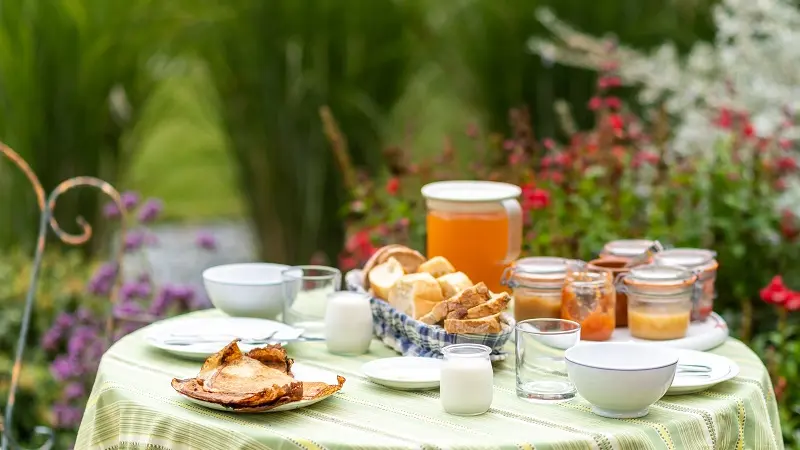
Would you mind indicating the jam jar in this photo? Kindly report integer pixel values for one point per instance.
(536, 284)
(589, 298)
(615, 266)
(703, 263)
(659, 301)
(626, 249)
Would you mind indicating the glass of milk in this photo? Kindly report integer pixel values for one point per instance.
(466, 385)
(348, 323)
(541, 371)
(305, 294)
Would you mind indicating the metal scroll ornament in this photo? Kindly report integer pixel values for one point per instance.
(47, 221)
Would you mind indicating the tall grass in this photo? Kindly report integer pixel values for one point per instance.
(72, 77)
(275, 63)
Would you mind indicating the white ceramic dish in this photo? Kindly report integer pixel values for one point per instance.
(246, 290)
(621, 380)
(722, 369)
(242, 327)
(404, 373)
(301, 372)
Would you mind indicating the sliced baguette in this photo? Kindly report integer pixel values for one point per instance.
(409, 258)
(484, 325)
(415, 294)
(496, 305)
(437, 266)
(384, 276)
(456, 306)
(453, 283)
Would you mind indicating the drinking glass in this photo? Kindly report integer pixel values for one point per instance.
(305, 293)
(541, 372)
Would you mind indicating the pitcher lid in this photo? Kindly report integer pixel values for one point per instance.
(470, 191)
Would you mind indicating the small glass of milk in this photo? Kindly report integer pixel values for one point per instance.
(348, 323)
(466, 385)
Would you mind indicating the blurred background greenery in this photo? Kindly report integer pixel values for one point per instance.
(214, 106)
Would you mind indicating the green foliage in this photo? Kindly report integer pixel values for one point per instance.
(275, 64)
(72, 78)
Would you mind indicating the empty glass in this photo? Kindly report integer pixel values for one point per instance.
(305, 293)
(541, 372)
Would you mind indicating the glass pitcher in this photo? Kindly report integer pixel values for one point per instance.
(476, 225)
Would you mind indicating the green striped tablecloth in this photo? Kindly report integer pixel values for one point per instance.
(133, 406)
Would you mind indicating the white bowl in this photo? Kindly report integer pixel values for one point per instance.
(621, 380)
(246, 290)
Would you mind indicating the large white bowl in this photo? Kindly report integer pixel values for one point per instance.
(246, 290)
(621, 380)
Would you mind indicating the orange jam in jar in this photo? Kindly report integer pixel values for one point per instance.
(589, 298)
(536, 284)
(659, 301)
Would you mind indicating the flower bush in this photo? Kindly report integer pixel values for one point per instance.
(73, 337)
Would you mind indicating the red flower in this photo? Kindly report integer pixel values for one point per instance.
(725, 118)
(595, 103)
(609, 82)
(534, 198)
(547, 161)
(562, 159)
(393, 185)
(793, 302)
(613, 103)
(786, 163)
(554, 176)
(360, 244)
(548, 143)
(748, 130)
(616, 122)
(347, 263)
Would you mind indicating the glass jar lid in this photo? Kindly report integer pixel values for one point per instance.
(627, 247)
(691, 258)
(657, 276)
(537, 270)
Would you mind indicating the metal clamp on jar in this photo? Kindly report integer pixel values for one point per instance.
(659, 301)
(536, 286)
(703, 264)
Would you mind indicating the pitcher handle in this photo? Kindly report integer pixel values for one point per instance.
(514, 213)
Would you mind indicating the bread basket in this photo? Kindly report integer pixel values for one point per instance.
(411, 337)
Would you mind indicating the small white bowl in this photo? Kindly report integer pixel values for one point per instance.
(246, 290)
(621, 380)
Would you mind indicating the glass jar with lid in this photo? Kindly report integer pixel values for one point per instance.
(536, 284)
(626, 249)
(618, 268)
(589, 298)
(659, 301)
(703, 263)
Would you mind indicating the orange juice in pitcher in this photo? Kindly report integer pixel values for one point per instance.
(476, 225)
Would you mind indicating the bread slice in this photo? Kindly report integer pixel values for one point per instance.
(409, 258)
(437, 266)
(415, 294)
(484, 325)
(496, 305)
(453, 283)
(373, 261)
(456, 307)
(384, 276)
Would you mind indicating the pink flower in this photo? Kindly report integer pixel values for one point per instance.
(616, 122)
(595, 103)
(725, 118)
(548, 143)
(786, 163)
(613, 103)
(534, 198)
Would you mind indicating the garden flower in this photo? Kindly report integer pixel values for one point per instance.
(67, 416)
(393, 185)
(150, 210)
(206, 241)
(74, 390)
(111, 211)
(534, 198)
(134, 241)
(613, 103)
(595, 103)
(65, 367)
(129, 200)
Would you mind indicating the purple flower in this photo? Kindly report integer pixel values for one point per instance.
(129, 200)
(150, 210)
(84, 315)
(80, 339)
(51, 339)
(127, 308)
(65, 320)
(74, 390)
(111, 211)
(103, 280)
(67, 416)
(134, 241)
(206, 241)
(65, 367)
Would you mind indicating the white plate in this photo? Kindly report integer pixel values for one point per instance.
(722, 369)
(301, 372)
(404, 373)
(243, 327)
(701, 336)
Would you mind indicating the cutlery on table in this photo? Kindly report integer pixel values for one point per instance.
(218, 339)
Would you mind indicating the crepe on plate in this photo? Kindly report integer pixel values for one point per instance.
(261, 378)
